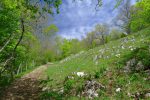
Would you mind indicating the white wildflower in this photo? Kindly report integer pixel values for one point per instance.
(96, 63)
(118, 89)
(117, 55)
(95, 58)
(95, 94)
(100, 56)
(45, 88)
(122, 47)
(131, 49)
(101, 51)
(61, 91)
(107, 57)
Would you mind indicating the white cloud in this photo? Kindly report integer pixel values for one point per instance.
(77, 18)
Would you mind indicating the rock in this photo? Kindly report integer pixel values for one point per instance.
(147, 95)
(61, 91)
(133, 65)
(45, 88)
(95, 94)
(139, 66)
(91, 89)
(90, 92)
(129, 65)
(70, 77)
(81, 74)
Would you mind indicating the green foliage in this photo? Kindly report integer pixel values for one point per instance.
(99, 73)
(115, 34)
(68, 85)
(140, 15)
(66, 48)
(51, 95)
(106, 71)
(19, 48)
(123, 35)
(96, 37)
(51, 30)
(143, 54)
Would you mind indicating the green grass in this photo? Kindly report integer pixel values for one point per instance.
(110, 56)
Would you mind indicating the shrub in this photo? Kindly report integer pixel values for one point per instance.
(138, 60)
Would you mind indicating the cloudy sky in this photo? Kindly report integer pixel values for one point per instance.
(79, 17)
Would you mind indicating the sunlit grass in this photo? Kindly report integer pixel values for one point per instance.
(105, 57)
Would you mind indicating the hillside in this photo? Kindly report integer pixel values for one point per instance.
(111, 66)
(74, 49)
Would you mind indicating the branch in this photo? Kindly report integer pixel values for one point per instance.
(12, 56)
(99, 4)
(22, 34)
(9, 39)
(5, 63)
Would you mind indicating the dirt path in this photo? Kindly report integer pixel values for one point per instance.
(27, 87)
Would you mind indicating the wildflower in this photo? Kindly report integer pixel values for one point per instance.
(122, 47)
(96, 63)
(95, 94)
(118, 89)
(117, 55)
(95, 58)
(131, 49)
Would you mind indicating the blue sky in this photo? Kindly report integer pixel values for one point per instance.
(79, 17)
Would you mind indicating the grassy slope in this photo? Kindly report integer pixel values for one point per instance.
(109, 54)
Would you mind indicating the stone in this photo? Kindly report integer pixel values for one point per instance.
(139, 66)
(129, 65)
(45, 88)
(147, 95)
(80, 74)
(91, 89)
(61, 91)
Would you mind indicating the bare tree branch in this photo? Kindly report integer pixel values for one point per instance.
(22, 34)
(6, 63)
(9, 39)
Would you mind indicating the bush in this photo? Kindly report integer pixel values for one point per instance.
(143, 55)
(138, 60)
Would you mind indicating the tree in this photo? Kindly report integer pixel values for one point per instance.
(65, 47)
(89, 39)
(97, 36)
(15, 17)
(115, 34)
(101, 31)
(124, 17)
(141, 15)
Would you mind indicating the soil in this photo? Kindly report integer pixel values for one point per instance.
(27, 87)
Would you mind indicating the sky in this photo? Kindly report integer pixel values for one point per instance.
(77, 18)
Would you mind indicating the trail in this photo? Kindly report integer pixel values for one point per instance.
(27, 87)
